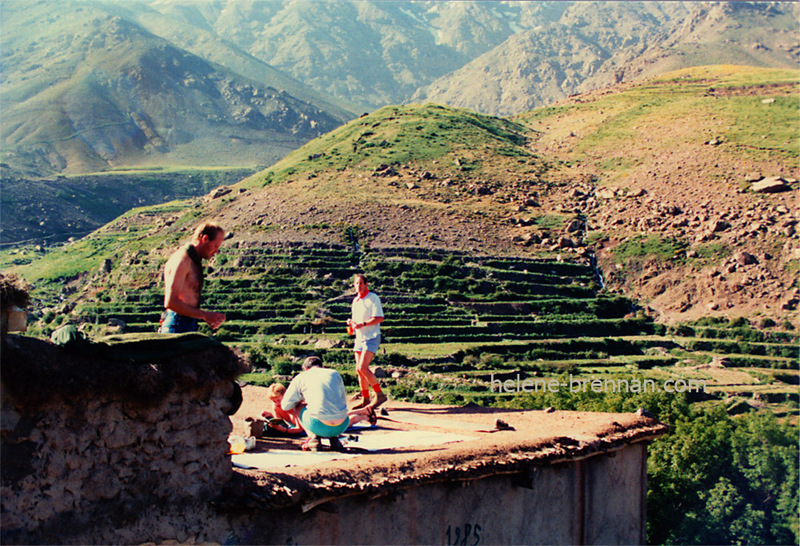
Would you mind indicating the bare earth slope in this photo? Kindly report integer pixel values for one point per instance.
(675, 220)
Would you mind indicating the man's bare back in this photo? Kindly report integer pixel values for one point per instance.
(183, 277)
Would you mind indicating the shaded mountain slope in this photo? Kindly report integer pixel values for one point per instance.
(184, 26)
(106, 92)
(368, 53)
(51, 211)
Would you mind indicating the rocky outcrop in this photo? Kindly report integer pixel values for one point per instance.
(773, 184)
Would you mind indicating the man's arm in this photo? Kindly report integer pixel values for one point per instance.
(370, 322)
(293, 395)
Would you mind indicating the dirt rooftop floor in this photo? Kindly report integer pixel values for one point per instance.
(534, 438)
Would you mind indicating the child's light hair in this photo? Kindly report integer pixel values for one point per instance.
(275, 391)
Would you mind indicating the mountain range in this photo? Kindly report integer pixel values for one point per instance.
(86, 90)
(89, 85)
(596, 44)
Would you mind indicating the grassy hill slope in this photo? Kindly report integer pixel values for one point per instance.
(653, 177)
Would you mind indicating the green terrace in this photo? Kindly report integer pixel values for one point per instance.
(462, 318)
(289, 289)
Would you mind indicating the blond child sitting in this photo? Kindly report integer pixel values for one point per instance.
(275, 393)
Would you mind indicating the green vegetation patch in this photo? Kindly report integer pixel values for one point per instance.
(751, 110)
(649, 246)
(401, 134)
(551, 221)
(711, 252)
(762, 123)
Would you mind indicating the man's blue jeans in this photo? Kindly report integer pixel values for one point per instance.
(174, 323)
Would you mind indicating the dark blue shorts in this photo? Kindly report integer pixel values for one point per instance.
(174, 323)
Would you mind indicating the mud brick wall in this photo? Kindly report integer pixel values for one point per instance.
(80, 453)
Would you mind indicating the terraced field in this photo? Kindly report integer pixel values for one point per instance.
(458, 327)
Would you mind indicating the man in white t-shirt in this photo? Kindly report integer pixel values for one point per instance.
(318, 398)
(365, 319)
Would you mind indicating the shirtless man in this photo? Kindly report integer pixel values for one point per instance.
(183, 282)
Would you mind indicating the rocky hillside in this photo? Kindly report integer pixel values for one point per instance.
(694, 209)
(659, 180)
(596, 44)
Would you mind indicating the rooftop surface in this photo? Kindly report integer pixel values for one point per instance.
(480, 450)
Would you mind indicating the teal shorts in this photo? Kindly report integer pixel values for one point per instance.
(318, 428)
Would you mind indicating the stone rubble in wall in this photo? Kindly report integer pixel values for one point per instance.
(98, 452)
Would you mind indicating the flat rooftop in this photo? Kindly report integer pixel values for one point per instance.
(414, 444)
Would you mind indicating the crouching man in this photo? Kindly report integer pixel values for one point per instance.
(318, 397)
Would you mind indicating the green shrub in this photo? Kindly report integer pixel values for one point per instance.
(402, 392)
(284, 366)
(767, 323)
(611, 307)
(449, 398)
(739, 322)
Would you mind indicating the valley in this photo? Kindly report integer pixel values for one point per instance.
(52, 211)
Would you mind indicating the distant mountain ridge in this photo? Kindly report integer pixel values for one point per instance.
(89, 85)
(88, 90)
(499, 58)
(603, 43)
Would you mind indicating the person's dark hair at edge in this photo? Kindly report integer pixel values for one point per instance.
(311, 362)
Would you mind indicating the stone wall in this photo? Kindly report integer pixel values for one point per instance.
(84, 463)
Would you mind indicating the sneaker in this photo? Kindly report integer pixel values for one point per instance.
(336, 444)
(380, 398)
(362, 404)
(312, 444)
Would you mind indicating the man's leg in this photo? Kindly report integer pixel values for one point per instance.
(363, 382)
(372, 381)
(312, 443)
